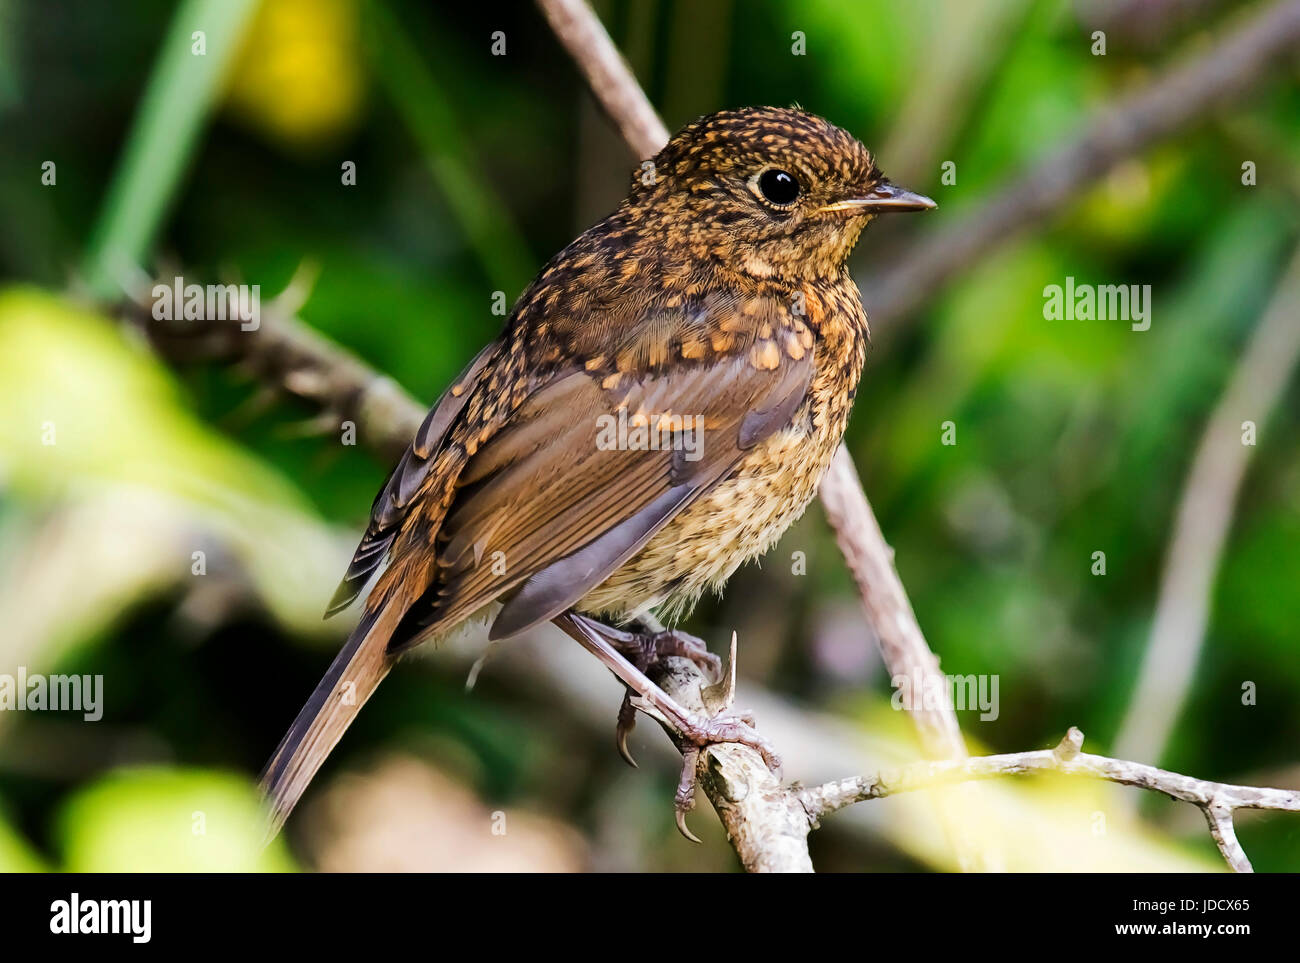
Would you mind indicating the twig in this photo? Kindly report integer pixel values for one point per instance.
(1169, 104)
(607, 74)
(1218, 801)
(902, 645)
(764, 821)
(1201, 525)
(960, 53)
(289, 356)
(1144, 22)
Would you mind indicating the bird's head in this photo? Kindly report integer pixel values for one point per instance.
(772, 192)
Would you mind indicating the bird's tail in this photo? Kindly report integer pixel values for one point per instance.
(352, 677)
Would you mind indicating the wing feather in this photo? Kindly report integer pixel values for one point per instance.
(391, 504)
(549, 512)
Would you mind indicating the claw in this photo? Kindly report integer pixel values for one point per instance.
(628, 655)
(626, 723)
(684, 800)
(684, 829)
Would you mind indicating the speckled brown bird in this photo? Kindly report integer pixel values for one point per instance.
(716, 298)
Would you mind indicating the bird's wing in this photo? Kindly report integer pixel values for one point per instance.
(557, 499)
(405, 481)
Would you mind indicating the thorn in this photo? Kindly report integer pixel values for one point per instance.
(720, 697)
(1070, 746)
(306, 382)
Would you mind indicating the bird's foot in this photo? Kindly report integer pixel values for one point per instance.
(646, 650)
(694, 732)
(697, 736)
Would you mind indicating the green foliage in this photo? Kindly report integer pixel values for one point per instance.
(167, 821)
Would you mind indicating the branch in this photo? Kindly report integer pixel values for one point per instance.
(1218, 801)
(765, 822)
(1166, 106)
(607, 74)
(888, 609)
(1145, 22)
(287, 356)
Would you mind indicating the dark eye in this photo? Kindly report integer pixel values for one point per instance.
(779, 187)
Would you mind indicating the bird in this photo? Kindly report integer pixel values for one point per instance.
(660, 406)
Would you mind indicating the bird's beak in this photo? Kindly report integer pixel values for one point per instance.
(881, 198)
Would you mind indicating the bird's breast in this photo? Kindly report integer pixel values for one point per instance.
(744, 514)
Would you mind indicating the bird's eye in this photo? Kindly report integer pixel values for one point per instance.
(778, 187)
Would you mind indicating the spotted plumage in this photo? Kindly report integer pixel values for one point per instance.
(717, 294)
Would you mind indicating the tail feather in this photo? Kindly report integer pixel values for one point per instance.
(352, 677)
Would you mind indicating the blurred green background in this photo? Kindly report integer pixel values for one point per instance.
(472, 169)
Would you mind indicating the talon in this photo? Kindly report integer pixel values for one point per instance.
(684, 800)
(646, 649)
(626, 723)
(629, 655)
(684, 829)
(772, 760)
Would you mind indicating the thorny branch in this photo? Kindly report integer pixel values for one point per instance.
(768, 823)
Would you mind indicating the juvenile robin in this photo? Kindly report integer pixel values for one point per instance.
(661, 406)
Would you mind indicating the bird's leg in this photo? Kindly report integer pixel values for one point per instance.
(694, 732)
(645, 648)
